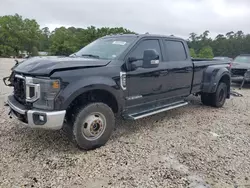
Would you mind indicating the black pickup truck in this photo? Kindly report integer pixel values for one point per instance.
(132, 76)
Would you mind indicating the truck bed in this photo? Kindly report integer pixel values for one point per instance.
(201, 65)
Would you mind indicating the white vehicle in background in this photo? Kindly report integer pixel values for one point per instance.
(223, 58)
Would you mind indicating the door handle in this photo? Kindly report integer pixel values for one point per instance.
(160, 73)
(165, 72)
(188, 69)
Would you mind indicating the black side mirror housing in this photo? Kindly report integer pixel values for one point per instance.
(150, 59)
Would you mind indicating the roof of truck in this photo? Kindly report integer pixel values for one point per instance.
(143, 35)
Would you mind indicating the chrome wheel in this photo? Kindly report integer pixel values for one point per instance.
(93, 126)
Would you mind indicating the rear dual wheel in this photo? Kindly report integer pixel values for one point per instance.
(216, 99)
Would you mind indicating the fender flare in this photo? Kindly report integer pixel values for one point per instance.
(73, 90)
(212, 77)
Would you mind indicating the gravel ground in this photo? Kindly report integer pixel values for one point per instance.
(193, 146)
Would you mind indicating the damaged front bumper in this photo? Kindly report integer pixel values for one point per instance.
(239, 78)
(34, 118)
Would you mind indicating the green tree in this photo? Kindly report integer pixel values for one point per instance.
(192, 53)
(44, 42)
(6, 51)
(206, 52)
(65, 41)
(11, 32)
(18, 34)
(34, 51)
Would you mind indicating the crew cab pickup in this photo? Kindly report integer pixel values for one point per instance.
(132, 76)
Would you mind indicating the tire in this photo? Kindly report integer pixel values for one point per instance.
(93, 126)
(206, 99)
(219, 97)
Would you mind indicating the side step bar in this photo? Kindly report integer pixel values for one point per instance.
(156, 111)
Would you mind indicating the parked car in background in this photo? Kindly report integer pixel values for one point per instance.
(223, 58)
(240, 67)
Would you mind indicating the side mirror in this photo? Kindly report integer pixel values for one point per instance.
(150, 59)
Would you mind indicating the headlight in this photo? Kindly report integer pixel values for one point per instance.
(42, 92)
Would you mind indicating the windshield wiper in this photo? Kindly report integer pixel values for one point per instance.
(91, 55)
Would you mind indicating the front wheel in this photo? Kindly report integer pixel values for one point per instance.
(93, 126)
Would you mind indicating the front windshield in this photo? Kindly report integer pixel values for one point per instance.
(106, 48)
(242, 59)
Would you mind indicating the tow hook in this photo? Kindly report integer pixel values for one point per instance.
(9, 114)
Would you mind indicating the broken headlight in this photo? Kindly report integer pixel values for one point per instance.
(42, 92)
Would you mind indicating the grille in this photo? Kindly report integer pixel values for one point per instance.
(19, 90)
(238, 72)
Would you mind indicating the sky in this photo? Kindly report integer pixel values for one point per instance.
(177, 17)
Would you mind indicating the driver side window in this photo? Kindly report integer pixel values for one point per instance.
(146, 45)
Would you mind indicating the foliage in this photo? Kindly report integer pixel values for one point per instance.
(19, 35)
(231, 44)
(192, 53)
(44, 41)
(6, 51)
(34, 51)
(206, 52)
(65, 41)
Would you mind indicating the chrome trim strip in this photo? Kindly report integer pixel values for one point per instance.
(29, 83)
(122, 75)
(158, 111)
(19, 76)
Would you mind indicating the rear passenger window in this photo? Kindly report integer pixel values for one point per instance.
(175, 50)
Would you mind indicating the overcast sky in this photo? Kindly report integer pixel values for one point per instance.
(178, 17)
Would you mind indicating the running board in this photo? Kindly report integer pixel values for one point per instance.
(156, 111)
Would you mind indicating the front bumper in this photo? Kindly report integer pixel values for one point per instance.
(34, 118)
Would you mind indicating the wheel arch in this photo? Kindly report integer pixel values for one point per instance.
(213, 76)
(100, 91)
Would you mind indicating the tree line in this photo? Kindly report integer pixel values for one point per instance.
(18, 35)
(230, 45)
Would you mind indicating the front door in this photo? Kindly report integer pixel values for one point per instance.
(144, 84)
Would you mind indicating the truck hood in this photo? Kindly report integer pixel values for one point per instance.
(44, 66)
(236, 65)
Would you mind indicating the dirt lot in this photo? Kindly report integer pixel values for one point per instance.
(193, 146)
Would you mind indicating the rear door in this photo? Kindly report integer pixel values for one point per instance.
(179, 66)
